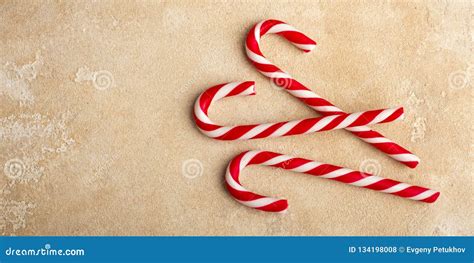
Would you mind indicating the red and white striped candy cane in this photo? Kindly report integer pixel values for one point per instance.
(316, 102)
(306, 166)
(256, 131)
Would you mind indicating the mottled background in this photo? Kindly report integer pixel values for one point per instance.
(96, 135)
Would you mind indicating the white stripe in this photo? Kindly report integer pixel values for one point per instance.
(376, 140)
(249, 91)
(304, 94)
(199, 113)
(256, 58)
(382, 116)
(358, 129)
(306, 167)
(255, 131)
(337, 173)
(322, 123)
(405, 157)
(284, 129)
(247, 158)
(367, 181)
(396, 188)
(307, 47)
(217, 132)
(423, 195)
(230, 180)
(257, 32)
(348, 120)
(276, 75)
(225, 90)
(326, 108)
(281, 28)
(259, 202)
(278, 159)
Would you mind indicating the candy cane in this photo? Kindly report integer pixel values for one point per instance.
(255, 131)
(306, 166)
(295, 88)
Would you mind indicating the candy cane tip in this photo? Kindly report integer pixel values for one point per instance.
(307, 48)
(432, 198)
(279, 206)
(250, 84)
(253, 90)
(402, 113)
(413, 164)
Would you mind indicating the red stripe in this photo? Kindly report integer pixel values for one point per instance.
(240, 88)
(252, 43)
(205, 126)
(292, 163)
(236, 132)
(411, 164)
(366, 117)
(317, 102)
(242, 195)
(323, 169)
(234, 167)
(367, 134)
(263, 157)
(277, 206)
(432, 198)
(350, 177)
(297, 37)
(268, 24)
(411, 191)
(267, 132)
(391, 148)
(382, 184)
(395, 115)
(303, 126)
(336, 121)
(296, 85)
(207, 96)
(265, 67)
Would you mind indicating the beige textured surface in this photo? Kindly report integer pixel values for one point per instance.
(96, 135)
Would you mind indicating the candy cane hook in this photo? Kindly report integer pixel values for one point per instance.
(306, 166)
(306, 95)
(287, 128)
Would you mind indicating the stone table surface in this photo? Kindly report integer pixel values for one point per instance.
(97, 138)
